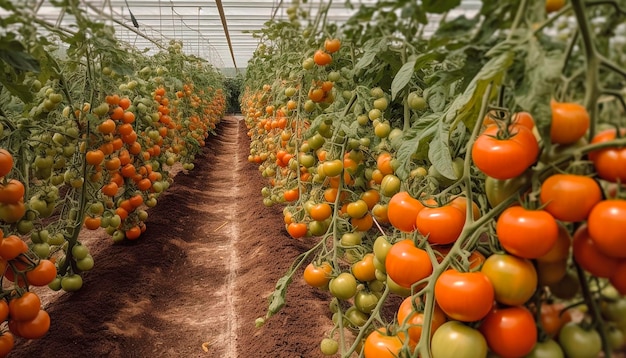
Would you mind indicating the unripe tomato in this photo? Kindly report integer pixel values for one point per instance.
(343, 286)
(514, 279)
(453, 339)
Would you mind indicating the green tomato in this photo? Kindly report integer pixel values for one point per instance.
(42, 250)
(381, 248)
(365, 301)
(416, 102)
(343, 286)
(85, 264)
(499, 190)
(55, 284)
(355, 317)
(578, 342)
(546, 349)
(453, 339)
(614, 310)
(79, 251)
(329, 346)
(351, 239)
(71, 283)
(390, 185)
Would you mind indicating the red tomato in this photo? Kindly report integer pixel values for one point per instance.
(570, 121)
(380, 344)
(441, 225)
(475, 289)
(402, 211)
(610, 163)
(527, 233)
(406, 264)
(510, 332)
(408, 316)
(503, 157)
(607, 227)
(618, 278)
(589, 257)
(570, 197)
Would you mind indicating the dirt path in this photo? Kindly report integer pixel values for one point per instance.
(197, 279)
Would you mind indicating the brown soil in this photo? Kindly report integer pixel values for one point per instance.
(194, 283)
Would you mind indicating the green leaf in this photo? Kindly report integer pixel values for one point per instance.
(461, 26)
(19, 60)
(439, 6)
(372, 48)
(277, 299)
(412, 142)
(403, 77)
(439, 151)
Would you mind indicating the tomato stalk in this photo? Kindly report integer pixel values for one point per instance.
(375, 315)
(598, 321)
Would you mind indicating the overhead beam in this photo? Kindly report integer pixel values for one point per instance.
(223, 17)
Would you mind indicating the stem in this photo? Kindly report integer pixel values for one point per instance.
(521, 10)
(594, 310)
(369, 321)
(592, 91)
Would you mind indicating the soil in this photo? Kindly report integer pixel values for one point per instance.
(194, 283)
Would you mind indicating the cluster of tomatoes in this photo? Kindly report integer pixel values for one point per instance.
(530, 263)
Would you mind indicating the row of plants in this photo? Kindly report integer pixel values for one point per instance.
(462, 186)
(90, 131)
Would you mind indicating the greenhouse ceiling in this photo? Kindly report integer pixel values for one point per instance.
(203, 26)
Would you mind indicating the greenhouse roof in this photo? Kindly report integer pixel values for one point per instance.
(198, 24)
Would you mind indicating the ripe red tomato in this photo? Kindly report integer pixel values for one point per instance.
(35, 328)
(441, 225)
(527, 233)
(402, 211)
(475, 288)
(510, 332)
(42, 274)
(570, 197)
(505, 157)
(11, 192)
(589, 257)
(7, 341)
(610, 163)
(406, 264)
(514, 279)
(25, 307)
(6, 162)
(322, 58)
(618, 278)
(380, 344)
(11, 246)
(318, 275)
(607, 227)
(570, 121)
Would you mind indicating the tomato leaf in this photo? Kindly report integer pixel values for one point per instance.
(413, 141)
(372, 48)
(403, 77)
(439, 6)
(277, 299)
(439, 151)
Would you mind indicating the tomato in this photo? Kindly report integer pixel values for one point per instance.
(567, 288)
(475, 288)
(381, 344)
(72, 282)
(390, 185)
(579, 342)
(297, 230)
(505, 157)
(514, 279)
(25, 307)
(550, 273)
(42, 274)
(614, 310)
(499, 190)
(610, 163)
(397, 289)
(317, 275)
(333, 167)
(441, 225)
(570, 121)
(85, 264)
(11, 192)
(416, 102)
(365, 301)
(510, 332)
(364, 270)
(7, 341)
(332, 45)
(381, 248)
(414, 320)
(11, 246)
(357, 209)
(552, 319)
(4, 310)
(458, 165)
(322, 58)
(607, 227)
(453, 339)
(570, 197)
(371, 197)
(527, 233)
(546, 349)
(402, 211)
(343, 286)
(35, 328)
(6, 162)
(329, 346)
(554, 5)
(13, 212)
(589, 256)
(460, 202)
(406, 264)
(560, 251)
